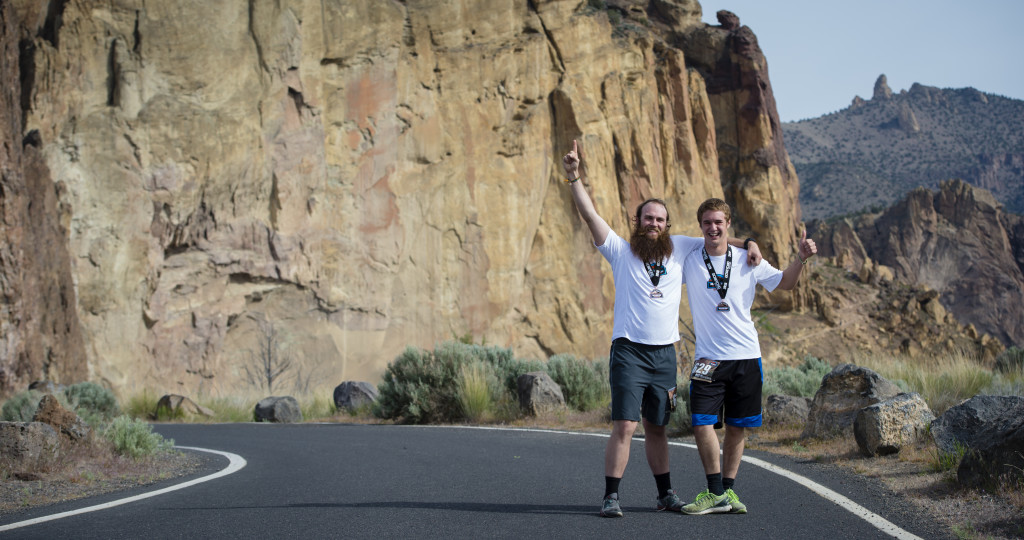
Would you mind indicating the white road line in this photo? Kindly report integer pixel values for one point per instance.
(878, 521)
(235, 463)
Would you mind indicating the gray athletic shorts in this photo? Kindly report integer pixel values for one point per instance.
(643, 381)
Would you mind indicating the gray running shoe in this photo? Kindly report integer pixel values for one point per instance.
(611, 506)
(708, 503)
(670, 502)
(734, 501)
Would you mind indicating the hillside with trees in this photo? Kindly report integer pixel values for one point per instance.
(872, 153)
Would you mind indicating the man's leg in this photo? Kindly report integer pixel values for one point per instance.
(616, 452)
(707, 447)
(712, 500)
(616, 456)
(732, 450)
(656, 447)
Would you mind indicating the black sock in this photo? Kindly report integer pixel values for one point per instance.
(728, 483)
(715, 484)
(611, 485)
(664, 484)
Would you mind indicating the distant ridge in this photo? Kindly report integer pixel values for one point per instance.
(872, 153)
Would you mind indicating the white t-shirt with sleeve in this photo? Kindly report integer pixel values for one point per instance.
(638, 317)
(726, 335)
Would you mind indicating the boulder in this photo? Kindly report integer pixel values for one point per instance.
(887, 426)
(538, 393)
(66, 422)
(844, 392)
(284, 409)
(174, 405)
(26, 442)
(991, 428)
(997, 459)
(781, 410)
(351, 395)
(967, 422)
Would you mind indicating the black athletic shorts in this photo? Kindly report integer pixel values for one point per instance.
(735, 385)
(643, 381)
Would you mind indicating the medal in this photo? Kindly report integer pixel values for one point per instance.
(719, 283)
(655, 271)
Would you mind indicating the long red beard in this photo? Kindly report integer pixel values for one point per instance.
(657, 250)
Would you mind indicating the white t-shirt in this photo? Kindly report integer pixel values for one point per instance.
(726, 335)
(638, 317)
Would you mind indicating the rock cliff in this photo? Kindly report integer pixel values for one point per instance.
(955, 241)
(355, 176)
(40, 335)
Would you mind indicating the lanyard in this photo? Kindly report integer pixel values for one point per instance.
(721, 285)
(655, 270)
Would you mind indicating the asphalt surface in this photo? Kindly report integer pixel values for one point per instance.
(359, 481)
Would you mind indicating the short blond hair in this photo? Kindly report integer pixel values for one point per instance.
(714, 205)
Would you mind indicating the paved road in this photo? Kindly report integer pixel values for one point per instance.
(356, 481)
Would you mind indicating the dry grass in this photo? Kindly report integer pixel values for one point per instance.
(942, 381)
(76, 470)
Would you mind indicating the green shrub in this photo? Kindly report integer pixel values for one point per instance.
(93, 403)
(584, 383)
(802, 381)
(1011, 360)
(21, 407)
(135, 438)
(420, 387)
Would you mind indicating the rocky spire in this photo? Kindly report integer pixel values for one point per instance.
(882, 90)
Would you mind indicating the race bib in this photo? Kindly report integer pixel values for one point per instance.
(703, 369)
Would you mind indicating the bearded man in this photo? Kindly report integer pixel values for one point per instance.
(642, 363)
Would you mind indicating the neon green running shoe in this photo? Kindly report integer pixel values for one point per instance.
(708, 503)
(734, 501)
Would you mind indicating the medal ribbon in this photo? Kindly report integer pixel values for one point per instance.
(721, 285)
(655, 271)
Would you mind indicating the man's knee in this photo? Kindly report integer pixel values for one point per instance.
(653, 431)
(623, 428)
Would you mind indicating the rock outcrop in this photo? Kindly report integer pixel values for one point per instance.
(366, 176)
(955, 241)
(882, 90)
(40, 335)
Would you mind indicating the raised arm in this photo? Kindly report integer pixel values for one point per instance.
(792, 273)
(598, 227)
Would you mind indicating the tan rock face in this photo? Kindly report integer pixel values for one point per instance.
(40, 336)
(934, 239)
(367, 176)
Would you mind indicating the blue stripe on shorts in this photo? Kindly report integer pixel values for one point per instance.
(750, 421)
(703, 419)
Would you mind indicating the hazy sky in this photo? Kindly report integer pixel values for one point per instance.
(822, 53)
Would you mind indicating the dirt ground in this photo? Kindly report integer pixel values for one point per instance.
(967, 513)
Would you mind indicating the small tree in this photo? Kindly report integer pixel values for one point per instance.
(267, 366)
